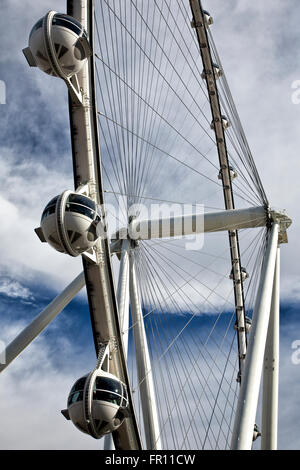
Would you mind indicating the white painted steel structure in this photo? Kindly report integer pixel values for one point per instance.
(123, 293)
(186, 225)
(269, 430)
(146, 385)
(248, 397)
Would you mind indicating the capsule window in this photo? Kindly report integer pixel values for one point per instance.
(80, 210)
(72, 20)
(84, 201)
(102, 395)
(75, 397)
(37, 26)
(79, 385)
(59, 21)
(62, 16)
(106, 383)
(48, 211)
(52, 202)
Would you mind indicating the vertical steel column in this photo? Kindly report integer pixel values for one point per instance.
(200, 26)
(271, 370)
(247, 404)
(146, 385)
(87, 169)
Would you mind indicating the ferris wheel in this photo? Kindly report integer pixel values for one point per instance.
(179, 245)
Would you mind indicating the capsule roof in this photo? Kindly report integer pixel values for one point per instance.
(60, 19)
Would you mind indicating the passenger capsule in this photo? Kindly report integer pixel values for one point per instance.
(248, 323)
(71, 223)
(207, 18)
(232, 173)
(97, 403)
(58, 45)
(244, 274)
(218, 72)
(225, 123)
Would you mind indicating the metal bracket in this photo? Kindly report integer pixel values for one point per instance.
(196, 24)
(29, 57)
(83, 189)
(40, 234)
(284, 222)
(90, 255)
(104, 351)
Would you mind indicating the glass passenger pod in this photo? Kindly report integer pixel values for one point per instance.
(79, 219)
(208, 18)
(248, 323)
(69, 22)
(110, 390)
(105, 389)
(76, 393)
(50, 208)
(244, 274)
(82, 205)
(66, 35)
(73, 25)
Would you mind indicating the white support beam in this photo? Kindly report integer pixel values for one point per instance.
(123, 294)
(226, 220)
(146, 385)
(248, 397)
(42, 320)
(271, 370)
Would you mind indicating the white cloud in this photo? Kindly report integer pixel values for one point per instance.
(15, 290)
(32, 393)
(21, 210)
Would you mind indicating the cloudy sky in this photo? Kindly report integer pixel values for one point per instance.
(258, 44)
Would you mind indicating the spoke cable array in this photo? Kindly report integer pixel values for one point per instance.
(158, 147)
